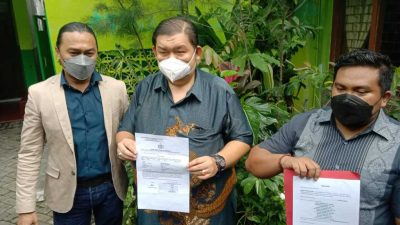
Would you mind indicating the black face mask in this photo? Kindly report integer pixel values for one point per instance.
(351, 111)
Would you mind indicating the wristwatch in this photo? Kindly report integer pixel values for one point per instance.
(220, 161)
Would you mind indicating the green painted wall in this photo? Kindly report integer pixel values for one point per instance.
(29, 67)
(23, 28)
(317, 51)
(43, 47)
(317, 13)
(25, 40)
(62, 12)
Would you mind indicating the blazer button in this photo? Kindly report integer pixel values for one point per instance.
(72, 173)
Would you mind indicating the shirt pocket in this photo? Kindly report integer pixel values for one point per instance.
(204, 140)
(201, 133)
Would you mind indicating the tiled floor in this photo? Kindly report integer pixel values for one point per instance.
(9, 145)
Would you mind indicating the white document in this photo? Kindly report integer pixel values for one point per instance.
(326, 201)
(162, 177)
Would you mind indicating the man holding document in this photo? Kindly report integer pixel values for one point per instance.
(208, 133)
(354, 134)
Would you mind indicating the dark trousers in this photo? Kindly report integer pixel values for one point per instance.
(101, 200)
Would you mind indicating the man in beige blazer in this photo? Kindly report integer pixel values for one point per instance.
(76, 114)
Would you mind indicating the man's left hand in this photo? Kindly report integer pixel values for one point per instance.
(203, 167)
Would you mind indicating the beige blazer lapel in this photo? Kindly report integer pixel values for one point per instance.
(107, 108)
(60, 105)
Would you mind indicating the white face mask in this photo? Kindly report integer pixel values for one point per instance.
(175, 69)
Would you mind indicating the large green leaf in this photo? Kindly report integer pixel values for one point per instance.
(228, 73)
(268, 78)
(254, 218)
(240, 61)
(248, 184)
(257, 60)
(260, 189)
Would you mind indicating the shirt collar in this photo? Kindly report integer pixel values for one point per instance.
(324, 116)
(95, 78)
(196, 90)
(380, 126)
(160, 82)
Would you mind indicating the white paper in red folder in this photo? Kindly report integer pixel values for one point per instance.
(321, 202)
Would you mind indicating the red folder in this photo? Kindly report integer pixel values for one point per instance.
(288, 186)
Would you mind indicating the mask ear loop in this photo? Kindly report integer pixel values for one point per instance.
(191, 69)
(194, 53)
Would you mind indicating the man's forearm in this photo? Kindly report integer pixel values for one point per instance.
(233, 151)
(263, 163)
(397, 221)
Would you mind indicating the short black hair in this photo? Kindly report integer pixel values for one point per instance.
(72, 27)
(176, 25)
(364, 57)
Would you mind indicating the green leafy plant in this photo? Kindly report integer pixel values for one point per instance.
(393, 106)
(264, 118)
(130, 206)
(262, 199)
(261, 36)
(311, 85)
(129, 66)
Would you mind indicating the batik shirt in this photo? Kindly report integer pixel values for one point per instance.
(209, 116)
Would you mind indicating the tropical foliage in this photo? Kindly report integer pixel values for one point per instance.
(261, 37)
(130, 66)
(393, 107)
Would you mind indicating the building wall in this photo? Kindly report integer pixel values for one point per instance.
(62, 12)
(316, 53)
(25, 40)
(357, 23)
(317, 13)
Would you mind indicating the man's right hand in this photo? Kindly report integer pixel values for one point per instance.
(127, 149)
(28, 219)
(302, 166)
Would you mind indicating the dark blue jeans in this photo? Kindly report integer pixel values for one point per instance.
(101, 200)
